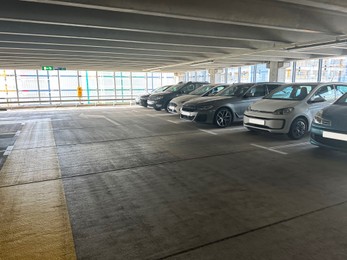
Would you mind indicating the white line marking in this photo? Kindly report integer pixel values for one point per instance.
(17, 133)
(8, 150)
(229, 129)
(111, 121)
(174, 122)
(22, 123)
(99, 116)
(209, 132)
(156, 115)
(290, 145)
(269, 149)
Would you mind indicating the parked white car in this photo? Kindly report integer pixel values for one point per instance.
(291, 108)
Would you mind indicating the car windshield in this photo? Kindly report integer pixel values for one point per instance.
(342, 101)
(235, 90)
(202, 90)
(291, 92)
(175, 88)
(161, 89)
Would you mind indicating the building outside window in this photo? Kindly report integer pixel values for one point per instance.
(262, 73)
(306, 71)
(233, 75)
(334, 69)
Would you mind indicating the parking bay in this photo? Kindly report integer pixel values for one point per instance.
(144, 184)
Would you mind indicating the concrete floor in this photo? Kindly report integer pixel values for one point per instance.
(134, 183)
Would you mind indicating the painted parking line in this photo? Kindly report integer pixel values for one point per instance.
(209, 132)
(8, 150)
(174, 122)
(269, 149)
(289, 145)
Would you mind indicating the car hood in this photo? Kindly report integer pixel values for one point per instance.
(337, 114)
(144, 96)
(181, 99)
(159, 94)
(271, 105)
(208, 100)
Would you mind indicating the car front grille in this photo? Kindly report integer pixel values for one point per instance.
(189, 108)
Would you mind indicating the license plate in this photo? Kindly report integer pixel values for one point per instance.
(335, 136)
(150, 102)
(256, 121)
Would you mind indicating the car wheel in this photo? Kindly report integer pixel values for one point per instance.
(167, 107)
(298, 129)
(223, 117)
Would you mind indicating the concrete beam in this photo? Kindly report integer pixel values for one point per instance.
(256, 13)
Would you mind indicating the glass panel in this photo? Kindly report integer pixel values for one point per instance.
(340, 90)
(168, 79)
(233, 75)
(334, 69)
(262, 73)
(326, 92)
(69, 84)
(106, 85)
(139, 83)
(27, 85)
(246, 74)
(306, 71)
(123, 85)
(8, 92)
(289, 73)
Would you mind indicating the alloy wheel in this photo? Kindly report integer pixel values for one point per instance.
(223, 117)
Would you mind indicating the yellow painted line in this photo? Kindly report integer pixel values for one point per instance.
(9, 90)
(34, 218)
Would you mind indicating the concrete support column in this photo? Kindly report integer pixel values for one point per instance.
(180, 76)
(212, 73)
(277, 71)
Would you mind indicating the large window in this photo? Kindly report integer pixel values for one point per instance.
(334, 69)
(262, 73)
(8, 90)
(233, 75)
(306, 71)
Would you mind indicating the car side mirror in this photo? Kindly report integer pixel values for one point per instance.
(317, 100)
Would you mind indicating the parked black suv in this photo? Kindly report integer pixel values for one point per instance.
(161, 100)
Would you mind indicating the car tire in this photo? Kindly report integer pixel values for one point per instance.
(298, 128)
(223, 117)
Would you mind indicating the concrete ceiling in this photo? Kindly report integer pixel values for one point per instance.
(166, 35)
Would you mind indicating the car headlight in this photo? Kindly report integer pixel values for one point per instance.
(319, 120)
(203, 108)
(284, 111)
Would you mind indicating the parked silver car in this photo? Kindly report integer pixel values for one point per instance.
(228, 105)
(175, 104)
(290, 109)
(329, 127)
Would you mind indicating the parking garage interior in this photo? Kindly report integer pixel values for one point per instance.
(95, 176)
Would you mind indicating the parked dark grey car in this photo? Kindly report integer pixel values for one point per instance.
(329, 127)
(161, 100)
(204, 91)
(142, 100)
(228, 105)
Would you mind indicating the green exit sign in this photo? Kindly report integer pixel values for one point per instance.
(47, 68)
(52, 68)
